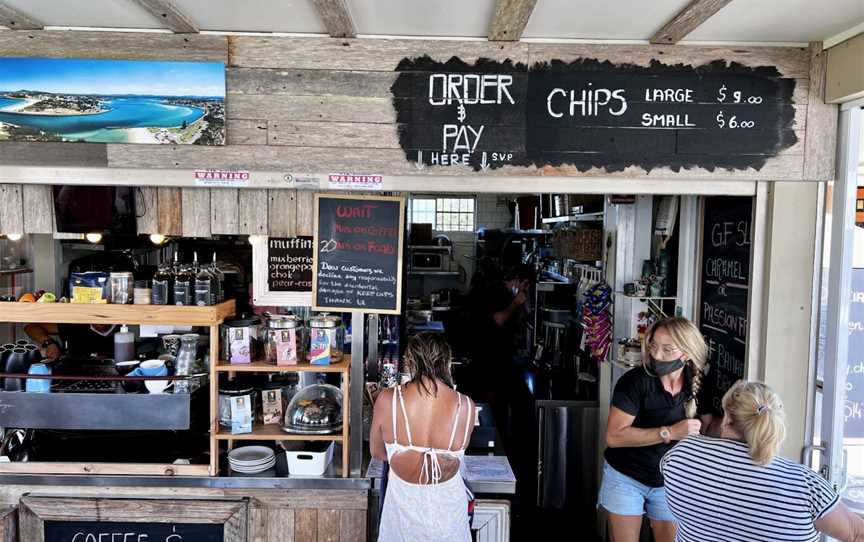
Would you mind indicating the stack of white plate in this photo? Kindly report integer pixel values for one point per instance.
(251, 459)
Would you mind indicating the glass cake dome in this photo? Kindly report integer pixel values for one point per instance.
(314, 410)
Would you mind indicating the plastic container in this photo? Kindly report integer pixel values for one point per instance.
(306, 463)
(124, 345)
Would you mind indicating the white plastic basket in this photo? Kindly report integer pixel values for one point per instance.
(303, 463)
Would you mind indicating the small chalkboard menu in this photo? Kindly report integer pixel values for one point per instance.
(854, 399)
(103, 531)
(358, 253)
(723, 291)
(282, 271)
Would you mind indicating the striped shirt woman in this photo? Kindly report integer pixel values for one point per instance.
(736, 489)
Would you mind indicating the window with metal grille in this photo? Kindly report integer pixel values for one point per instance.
(445, 214)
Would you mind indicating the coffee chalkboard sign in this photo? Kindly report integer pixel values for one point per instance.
(103, 531)
(358, 253)
(282, 271)
(724, 291)
(854, 392)
(590, 113)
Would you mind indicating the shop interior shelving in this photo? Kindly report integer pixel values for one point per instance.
(72, 313)
(273, 431)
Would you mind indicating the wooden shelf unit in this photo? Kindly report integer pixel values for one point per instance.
(79, 313)
(265, 367)
(273, 431)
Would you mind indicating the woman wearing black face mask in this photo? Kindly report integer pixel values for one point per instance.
(651, 410)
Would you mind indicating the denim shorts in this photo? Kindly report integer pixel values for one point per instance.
(622, 495)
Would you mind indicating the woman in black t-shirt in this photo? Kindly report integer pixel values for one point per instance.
(652, 408)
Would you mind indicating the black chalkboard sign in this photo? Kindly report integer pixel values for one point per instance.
(358, 253)
(723, 291)
(289, 264)
(853, 414)
(103, 531)
(589, 113)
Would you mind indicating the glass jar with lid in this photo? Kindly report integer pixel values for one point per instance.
(241, 340)
(285, 341)
(326, 335)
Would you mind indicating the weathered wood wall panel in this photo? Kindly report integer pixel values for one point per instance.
(282, 212)
(9, 524)
(821, 140)
(305, 212)
(11, 209)
(253, 212)
(246, 132)
(147, 209)
(306, 525)
(38, 211)
(364, 84)
(360, 54)
(125, 45)
(317, 108)
(321, 105)
(790, 61)
(195, 212)
(170, 208)
(225, 211)
(358, 135)
(53, 154)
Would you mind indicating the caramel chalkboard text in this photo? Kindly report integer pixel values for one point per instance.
(724, 288)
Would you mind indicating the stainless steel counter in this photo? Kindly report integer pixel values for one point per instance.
(187, 481)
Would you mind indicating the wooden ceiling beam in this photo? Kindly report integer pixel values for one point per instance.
(13, 19)
(336, 18)
(687, 20)
(171, 17)
(510, 19)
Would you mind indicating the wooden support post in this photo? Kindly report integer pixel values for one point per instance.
(336, 18)
(168, 14)
(694, 14)
(510, 19)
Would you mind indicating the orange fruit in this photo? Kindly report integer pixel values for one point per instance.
(27, 298)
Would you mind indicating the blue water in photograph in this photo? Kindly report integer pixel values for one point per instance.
(122, 113)
(112, 100)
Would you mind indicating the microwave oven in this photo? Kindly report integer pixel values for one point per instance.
(428, 261)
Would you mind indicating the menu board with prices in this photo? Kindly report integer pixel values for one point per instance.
(592, 114)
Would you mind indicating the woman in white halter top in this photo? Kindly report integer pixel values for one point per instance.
(422, 429)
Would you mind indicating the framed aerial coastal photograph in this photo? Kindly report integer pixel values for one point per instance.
(112, 101)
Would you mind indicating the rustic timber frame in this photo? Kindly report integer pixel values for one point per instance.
(34, 511)
(272, 515)
(301, 109)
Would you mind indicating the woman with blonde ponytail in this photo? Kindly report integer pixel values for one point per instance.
(653, 407)
(736, 488)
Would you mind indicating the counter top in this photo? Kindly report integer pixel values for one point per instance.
(217, 482)
(482, 473)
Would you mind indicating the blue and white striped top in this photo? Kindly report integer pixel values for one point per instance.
(718, 494)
